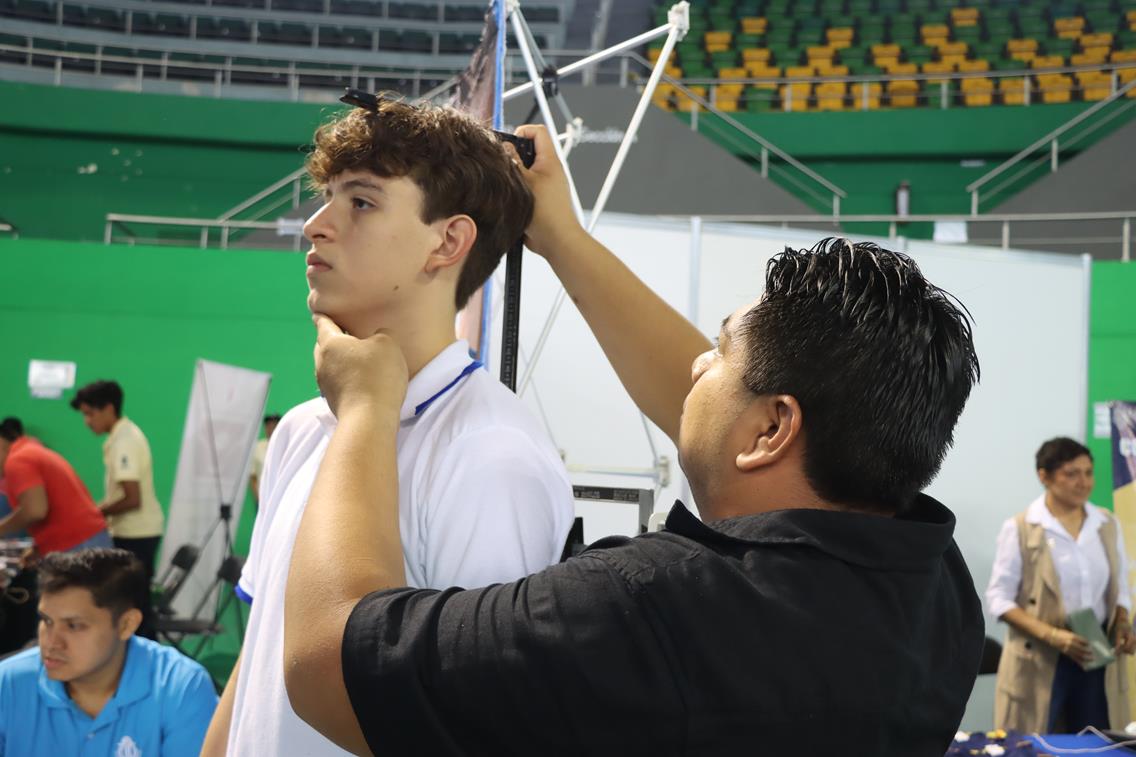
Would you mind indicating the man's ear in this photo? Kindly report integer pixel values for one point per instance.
(771, 424)
(458, 233)
(128, 623)
(1043, 476)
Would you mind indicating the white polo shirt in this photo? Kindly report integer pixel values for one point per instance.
(126, 457)
(483, 498)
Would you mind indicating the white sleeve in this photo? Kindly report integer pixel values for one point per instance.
(496, 510)
(246, 586)
(1123, 594)
(1006, 576)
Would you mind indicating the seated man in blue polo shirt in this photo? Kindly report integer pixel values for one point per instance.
(92, 687)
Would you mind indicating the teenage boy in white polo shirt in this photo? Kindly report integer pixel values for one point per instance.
(420, 205)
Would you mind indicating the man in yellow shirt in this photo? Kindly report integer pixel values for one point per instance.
(129, 503)
(259, 453)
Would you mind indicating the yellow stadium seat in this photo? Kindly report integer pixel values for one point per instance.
(865, 95)
(1095, 85)
(1070, 34)
(732, 73)
(903, 93)
(840, 33)
(1025, 56)
(886, 62)
(795, 97)
(1073, 23)
(1022, 46)
(1131, 16)
(819, 52)
(654, 53)
(1013, 91)
(757, 55)
(834, 71)
(830, 95)
(964, 16)
(936, 41)
(971, 66)
(938, 67)
(953, 59)
(673, 71)
(1055, 88)
(1047, 61)
(754, 25)
(904, 68)
(663, 103)
(953, 48)
(1085, 59)
(978, 99)
(935, 30)
(763, 71)
(1100, 39)
(799, 72)
(1126, 75)
(727, 106)
(977, 84)
(718, 38)
(890, 50)
(839, 44)
(1124, 56)
(717, 47)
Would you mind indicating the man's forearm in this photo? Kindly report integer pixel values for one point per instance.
(347, 546)
(15, 521)
(125, 504)
(650, 345)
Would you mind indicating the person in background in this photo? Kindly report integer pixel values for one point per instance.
(92, 686)
(49, 499)
(1060, 555)
(259, 453)
(129, 502)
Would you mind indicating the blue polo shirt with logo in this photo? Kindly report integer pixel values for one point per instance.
(162, 708)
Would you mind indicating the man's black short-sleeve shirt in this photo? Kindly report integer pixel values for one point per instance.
(788, 632)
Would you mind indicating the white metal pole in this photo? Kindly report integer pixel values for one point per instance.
(593, 59)
(680, 21)
(546, 113)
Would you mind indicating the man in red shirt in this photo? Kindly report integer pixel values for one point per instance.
(48, 498)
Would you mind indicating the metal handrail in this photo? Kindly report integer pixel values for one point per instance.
(1051, 139)
(1126, 218)
(274, 187)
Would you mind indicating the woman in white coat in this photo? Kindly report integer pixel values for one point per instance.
(1060, 555)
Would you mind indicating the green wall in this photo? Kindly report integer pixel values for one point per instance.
(150, 155)
(1112, 357)
(143, 316)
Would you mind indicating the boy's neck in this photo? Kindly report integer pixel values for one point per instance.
(421, 338)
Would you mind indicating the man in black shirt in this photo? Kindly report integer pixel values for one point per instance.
(820, 607)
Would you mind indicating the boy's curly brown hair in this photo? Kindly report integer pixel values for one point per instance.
(457, 163)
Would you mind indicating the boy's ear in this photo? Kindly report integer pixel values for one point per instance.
(458, 233)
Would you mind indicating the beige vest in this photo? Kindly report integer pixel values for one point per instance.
(1025, 672)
